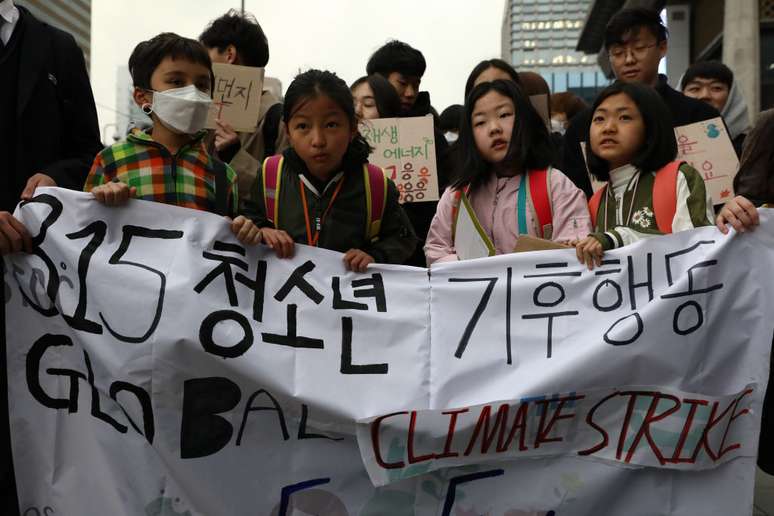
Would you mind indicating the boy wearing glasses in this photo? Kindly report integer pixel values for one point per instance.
(636, 41)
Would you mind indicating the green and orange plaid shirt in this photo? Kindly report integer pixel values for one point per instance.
(184, 179)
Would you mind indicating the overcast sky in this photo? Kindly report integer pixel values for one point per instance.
(337, 35)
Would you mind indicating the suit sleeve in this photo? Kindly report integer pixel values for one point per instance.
(80, 133)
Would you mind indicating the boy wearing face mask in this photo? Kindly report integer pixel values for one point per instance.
(169, 163)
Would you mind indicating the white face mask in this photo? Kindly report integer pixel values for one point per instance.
(182, 110)
(557, 126)
(450, 136)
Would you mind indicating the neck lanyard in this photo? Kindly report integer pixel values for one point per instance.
(611, 195)
(318, 221)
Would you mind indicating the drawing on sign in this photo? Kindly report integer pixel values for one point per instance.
(405, 149)
(707, 147)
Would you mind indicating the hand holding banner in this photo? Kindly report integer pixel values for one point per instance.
(222, 380)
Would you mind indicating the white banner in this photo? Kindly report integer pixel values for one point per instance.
(177, 372)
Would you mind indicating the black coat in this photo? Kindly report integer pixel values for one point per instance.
(56, 120)
(685, 110)
(52, 128)
(421, 213)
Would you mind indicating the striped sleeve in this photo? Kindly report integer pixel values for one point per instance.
(694, 203)
(621, 236)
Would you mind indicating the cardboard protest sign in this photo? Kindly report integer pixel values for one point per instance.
(405, 149)
(237, 96)
(708, 148)
(527, 243)
(222, 380)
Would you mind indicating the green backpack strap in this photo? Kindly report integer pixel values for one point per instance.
(272, 179)
(376, 199)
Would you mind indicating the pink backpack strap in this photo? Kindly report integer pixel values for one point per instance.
(271, 177)
(594, 203)
(665, 196)
(376, 199)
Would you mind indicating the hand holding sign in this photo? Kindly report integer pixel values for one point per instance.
(225, 135)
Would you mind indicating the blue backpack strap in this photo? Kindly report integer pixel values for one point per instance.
(521, 205)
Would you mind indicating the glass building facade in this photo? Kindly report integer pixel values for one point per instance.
(73, 16)
(541, 35)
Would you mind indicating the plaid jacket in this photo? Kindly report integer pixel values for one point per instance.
(186, 179)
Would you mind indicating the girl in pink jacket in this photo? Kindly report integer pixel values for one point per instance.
(507, 179)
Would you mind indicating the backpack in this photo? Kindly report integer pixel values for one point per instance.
(375, 189)
(664, 197)
(537, 183)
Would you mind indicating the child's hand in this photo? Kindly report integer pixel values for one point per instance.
(589, 251)
(246, 231)
(113, 194)
(14, 237)
(225, 136)
(357, 260)
(278, 240)
(740, 213)
(39, 179)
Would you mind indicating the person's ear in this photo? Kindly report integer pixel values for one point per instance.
(286, 131)
(143, 98)
(232, 56)
(662, 49)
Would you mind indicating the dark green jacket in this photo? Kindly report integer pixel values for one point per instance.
(344, 227)
(632, 218)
